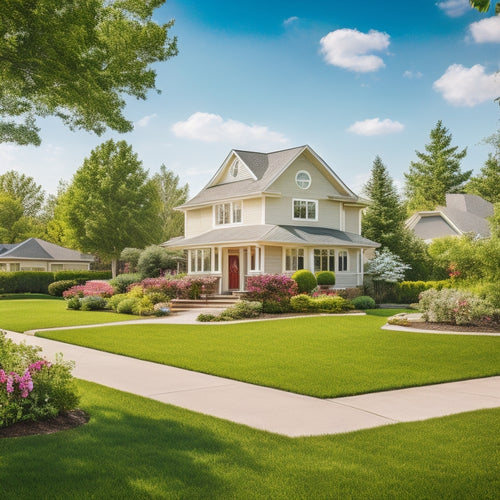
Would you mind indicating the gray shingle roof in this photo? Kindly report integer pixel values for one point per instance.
(268, 233)
(35, 248)
(266, 167)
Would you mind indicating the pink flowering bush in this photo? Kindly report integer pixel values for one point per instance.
(273, 290)
(188, 287)
(32, 388)
(90, 288)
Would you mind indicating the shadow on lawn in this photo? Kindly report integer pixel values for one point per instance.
(119, 455)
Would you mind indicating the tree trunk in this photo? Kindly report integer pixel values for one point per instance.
(114, 266)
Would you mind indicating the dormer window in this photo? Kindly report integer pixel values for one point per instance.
(303, 179)
(228, 213)
(233, 170)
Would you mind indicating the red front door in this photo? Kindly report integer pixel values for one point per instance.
(234, 271)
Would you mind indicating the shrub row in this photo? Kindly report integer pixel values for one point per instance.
(241, 310)
(408, 292)
(325, 303)
(39, 281)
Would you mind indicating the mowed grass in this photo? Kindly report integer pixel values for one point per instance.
(29, 314)
(136, 448)
(325, 356)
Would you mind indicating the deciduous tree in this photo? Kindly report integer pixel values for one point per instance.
(76, 59)
(25, 189)
(110, 204)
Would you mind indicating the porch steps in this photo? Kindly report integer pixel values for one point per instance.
(212, 302)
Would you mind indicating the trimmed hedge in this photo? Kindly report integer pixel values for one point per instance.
(306, 280)
(325, 278)
(408, 292)
(39, 281)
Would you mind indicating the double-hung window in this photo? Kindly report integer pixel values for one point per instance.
(228, 213)
(342, 260)
(324, 259)
(200, 260)
(305, 209)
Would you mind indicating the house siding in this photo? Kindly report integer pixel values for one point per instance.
(252, 211)
(198, 221)
(272, 260)
(352, 220)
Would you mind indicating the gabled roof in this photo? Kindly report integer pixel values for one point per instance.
(265, 169)
(463, 213)
(35, 248)
(273, 234)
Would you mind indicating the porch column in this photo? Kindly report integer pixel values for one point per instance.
(283, 260)
(362, 265)
(258, 264)
(249, 259)
(219, 267)
(189, 261)
(242, 274)
(263, 260)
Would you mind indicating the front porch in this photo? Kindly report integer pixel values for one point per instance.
(234, 264)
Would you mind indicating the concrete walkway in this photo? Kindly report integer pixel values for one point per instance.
(268, 409)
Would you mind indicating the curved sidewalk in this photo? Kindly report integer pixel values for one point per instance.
(268, 409)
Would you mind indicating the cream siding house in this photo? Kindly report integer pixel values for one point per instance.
(267, 213)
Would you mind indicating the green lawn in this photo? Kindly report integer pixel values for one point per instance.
(136, 448)
(28, 314)
(325, 356)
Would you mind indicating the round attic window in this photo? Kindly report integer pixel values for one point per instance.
(303, 179)
(234, 168)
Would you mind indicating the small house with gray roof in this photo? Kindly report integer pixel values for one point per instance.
(268, 213)
(35, 254)
(463, 213)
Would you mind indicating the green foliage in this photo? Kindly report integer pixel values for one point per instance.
(241, 310)
(74, 303)
(14, 225)
(93, 303)
(82, 276)
(457, 307)
(115, 300)
(110, 204)
(58, 287)
(171, 196)
(436, 172)
(128, 305)
(131, 257)
(322, 303)
(487, 183)
(155, 259)
(52, 390)
(23, 189)
(276, 306)
(408, 292)
(143, 307)
(325, 278)
(122, 281)
(363, 302)
(25, 281)
(76, 61)
(305, 279)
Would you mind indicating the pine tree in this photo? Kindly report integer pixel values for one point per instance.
(436, 173)
(383, 220)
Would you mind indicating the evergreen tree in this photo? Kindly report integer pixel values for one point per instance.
(487, 183)
(436, 173)
(383, 220)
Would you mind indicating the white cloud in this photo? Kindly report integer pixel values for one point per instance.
(144, 121)
(376, 126)
(454, 8)
(209, 127)
(462, 86)
(486, 30)
(348, 49)
(290, 20)
(412, 74)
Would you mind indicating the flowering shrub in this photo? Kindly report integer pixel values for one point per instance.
(95, 287)
(32, 388)
(456, 307)
(188, 287)
(271, 288)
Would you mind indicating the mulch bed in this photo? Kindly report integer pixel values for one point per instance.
(446, 327)
(63, 422)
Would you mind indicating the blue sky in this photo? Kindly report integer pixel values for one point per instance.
(351, 79)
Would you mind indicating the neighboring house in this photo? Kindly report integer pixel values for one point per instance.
(463, 213)
(35, 254)
(267, 213)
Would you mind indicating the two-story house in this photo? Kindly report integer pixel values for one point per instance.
(267, 213)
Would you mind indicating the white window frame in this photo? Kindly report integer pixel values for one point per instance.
(234, 168)
(342, 260)
(198, 257)
(292, 256)
(307, 202)
(232, 213)
(330, 253)
(299, 182)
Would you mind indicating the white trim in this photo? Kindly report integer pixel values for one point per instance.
(316, 214)
(308, 177)
(215, 224)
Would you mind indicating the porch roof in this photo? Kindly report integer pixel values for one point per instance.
(272, 234)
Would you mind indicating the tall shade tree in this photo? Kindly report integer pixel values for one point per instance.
(110, 204)
(14, 225)
(436, 173)
(383, 220)
(487, 183)
(171, 195)
(76, 59)
(25, 189)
